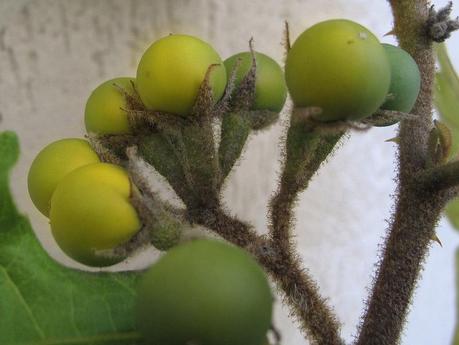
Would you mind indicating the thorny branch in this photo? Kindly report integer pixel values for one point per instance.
(417, 208)
(440, 178)
(276, 253)
(300, 291)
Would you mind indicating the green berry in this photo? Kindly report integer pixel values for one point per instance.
(52, 164)
(406, 80)
(205, 292)
(171, 71)
(339, 66)
(270, 88)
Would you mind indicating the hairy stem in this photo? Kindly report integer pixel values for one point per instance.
(300, 291)
(440, 177)
(410, 19)
(306, 148)
(417, 209)
(230, 228)
(398, 273)
(295, 178)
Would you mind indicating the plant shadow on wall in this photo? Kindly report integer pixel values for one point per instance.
(208, 292)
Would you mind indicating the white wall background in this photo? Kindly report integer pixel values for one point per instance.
(53, 53)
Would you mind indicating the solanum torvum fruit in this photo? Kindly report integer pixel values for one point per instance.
(171, 71)
(54, 162)
(270, 88)
(105, 111)
(340, 67)
(204, 292)
(91, 213)
(405, 80)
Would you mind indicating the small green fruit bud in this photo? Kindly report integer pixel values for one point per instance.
(166, 234)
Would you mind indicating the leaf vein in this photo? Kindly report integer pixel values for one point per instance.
(127, 288)
(72, 312)
(94, 339)
(23, 301)
(109, 312)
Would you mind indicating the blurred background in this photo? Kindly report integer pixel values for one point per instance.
(54, 53)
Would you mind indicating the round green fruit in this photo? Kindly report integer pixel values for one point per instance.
(270, 88)
(50, 166)
(339, 66)
(91, 213)
(204, 292)
(171, 71)
(104, 112)
(406, 80)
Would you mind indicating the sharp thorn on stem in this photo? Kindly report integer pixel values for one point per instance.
(395, 140)
(436, 239)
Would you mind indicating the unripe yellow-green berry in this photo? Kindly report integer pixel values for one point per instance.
(270, 88)
(105, 111)
(91, 213)
(338, 66)
(171, 71)
(51, 165)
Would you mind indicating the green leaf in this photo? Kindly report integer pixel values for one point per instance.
(42, 302)
(446, 96)
(446, 99)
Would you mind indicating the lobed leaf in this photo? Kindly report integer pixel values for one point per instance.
(43, 302)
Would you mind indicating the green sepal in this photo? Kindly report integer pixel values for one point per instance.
(166, 232)
(307, 147)
(200, 162)
(302, 141)
(235, 130)
(158, 150)
(439, 144)
(185, 155)
(382, 119)
(262, 119)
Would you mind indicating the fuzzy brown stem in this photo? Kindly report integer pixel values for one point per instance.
(440, 177)
(387, 117)
(306, 148)
(398, 273)
(300, 291)
(292, 183)
(417, 210)
(282, 212)
(230, 228)
(410, 19)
